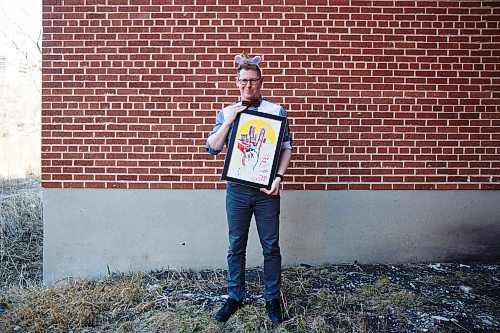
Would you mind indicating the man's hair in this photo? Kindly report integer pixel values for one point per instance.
(249, 67)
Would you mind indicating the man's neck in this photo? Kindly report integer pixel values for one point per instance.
(251, 100)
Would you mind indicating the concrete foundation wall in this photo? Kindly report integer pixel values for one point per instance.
(89, 232)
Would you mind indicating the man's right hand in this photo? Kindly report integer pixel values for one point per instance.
(233, 112)
(217, 140)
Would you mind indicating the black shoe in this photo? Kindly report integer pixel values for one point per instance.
(227, 310)
(274, 310)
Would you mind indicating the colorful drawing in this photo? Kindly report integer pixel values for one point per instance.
(254, 149)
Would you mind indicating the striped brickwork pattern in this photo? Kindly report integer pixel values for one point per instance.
(392, 95)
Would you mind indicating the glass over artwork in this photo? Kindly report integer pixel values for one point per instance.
(254, 148)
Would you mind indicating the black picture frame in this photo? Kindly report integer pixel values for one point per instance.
(254, 148)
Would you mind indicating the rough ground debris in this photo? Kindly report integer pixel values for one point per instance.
(417, 297)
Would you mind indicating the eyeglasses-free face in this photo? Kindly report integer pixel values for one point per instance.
(249, 84)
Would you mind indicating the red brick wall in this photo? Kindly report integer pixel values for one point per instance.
(380, 94)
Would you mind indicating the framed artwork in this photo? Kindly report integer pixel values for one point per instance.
(253, 149)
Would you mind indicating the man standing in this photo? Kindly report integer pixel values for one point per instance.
(243, 201)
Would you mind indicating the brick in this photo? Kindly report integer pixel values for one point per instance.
(374, 92)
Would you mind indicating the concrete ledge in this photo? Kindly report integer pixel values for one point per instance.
(89, 232)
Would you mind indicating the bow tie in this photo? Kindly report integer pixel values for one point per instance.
(255, 103)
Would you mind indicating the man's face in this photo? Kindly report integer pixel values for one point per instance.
(249, 84)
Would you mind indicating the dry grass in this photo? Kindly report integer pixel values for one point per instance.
(421, 297)
(21, 231)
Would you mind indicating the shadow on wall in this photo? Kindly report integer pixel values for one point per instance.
(391, 226)
(483, 243)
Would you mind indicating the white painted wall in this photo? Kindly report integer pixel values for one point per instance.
(19, 155)
(88, 231)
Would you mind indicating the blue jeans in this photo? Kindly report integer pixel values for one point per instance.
(241, 203)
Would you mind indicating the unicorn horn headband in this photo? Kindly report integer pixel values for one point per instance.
(244, 58)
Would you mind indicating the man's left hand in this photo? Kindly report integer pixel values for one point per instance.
(275, 187)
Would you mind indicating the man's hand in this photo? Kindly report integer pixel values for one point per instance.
(275, 187)
(218, 139)
(233, 112)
